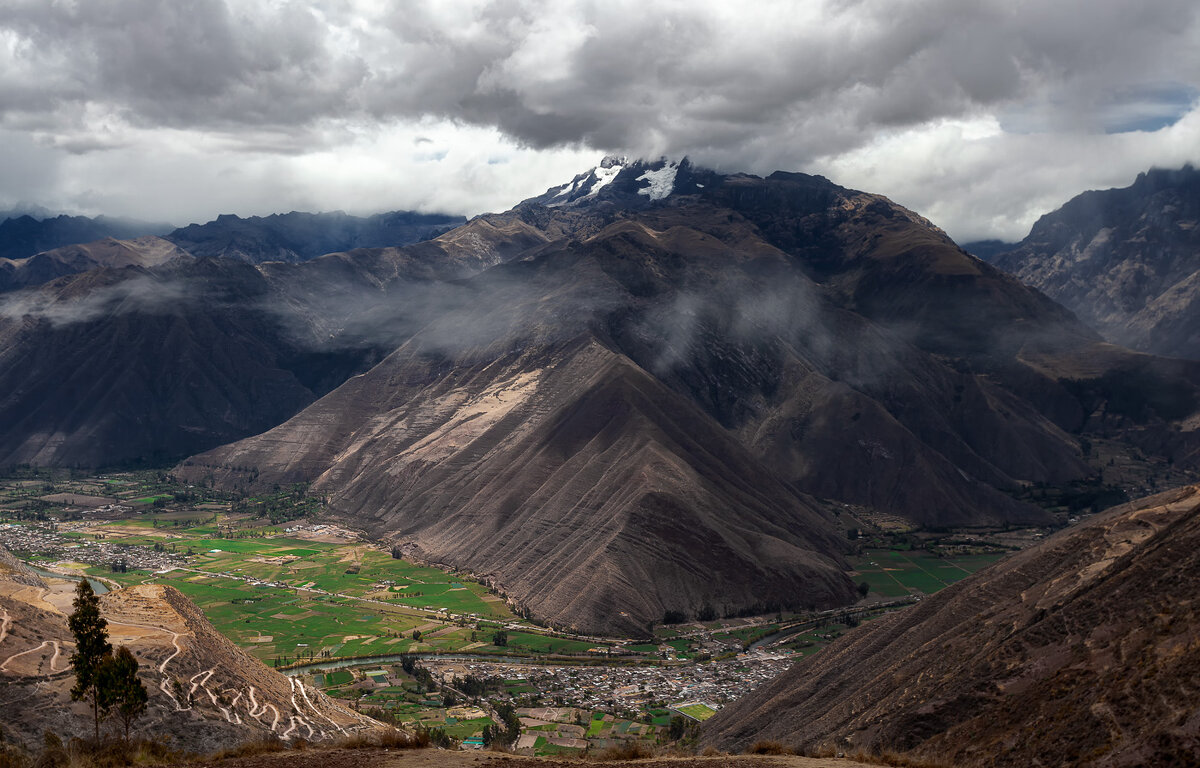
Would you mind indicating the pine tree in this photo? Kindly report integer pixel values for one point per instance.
(120, 687)
(91, 646)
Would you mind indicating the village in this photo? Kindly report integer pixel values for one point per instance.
(48, 541)
(628, 689)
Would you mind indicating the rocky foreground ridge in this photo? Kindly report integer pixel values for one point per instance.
(1083, 650)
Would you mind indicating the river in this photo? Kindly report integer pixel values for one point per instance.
(97, 586)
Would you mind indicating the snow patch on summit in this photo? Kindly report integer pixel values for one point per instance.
(604, 177)
(662, 181)
(567, 189)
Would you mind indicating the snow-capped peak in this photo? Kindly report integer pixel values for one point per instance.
(618, 178)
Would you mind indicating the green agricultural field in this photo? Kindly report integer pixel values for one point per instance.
(746, 634)
(683, 647)
(527, 641)
(337, 600)
(893, 573)
(284, 598)
(461, 729)
(808, 643)
(596, 725)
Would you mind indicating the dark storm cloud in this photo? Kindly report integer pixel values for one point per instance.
(671, 77)
(176, 64)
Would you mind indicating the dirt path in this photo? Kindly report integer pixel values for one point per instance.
(313, 707)
(164, 684)
(53, 659)
(162, 667)
(257, 713)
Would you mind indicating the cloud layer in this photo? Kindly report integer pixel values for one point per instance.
(973, 112)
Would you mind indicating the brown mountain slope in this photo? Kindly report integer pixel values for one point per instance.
(133, 365)
(138, 365)
(205, 693)
(1083, 650)
(824, 397)
(567, 475)
(647, 348)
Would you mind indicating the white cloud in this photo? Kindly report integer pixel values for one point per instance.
(317, 104)
(977, 181)
(184, 176)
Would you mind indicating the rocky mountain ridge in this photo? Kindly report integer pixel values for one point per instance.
(296, 236)
(23, 235)
(34, 252)
(1126, 261)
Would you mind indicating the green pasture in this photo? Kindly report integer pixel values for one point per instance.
(893, 573)
(528, 641)
(746, 634)
(154, 498)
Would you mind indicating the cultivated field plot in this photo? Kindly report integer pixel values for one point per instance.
(893, 573)
(61, 488)
(286, 598)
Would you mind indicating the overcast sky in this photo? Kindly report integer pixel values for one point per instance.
(979, 115)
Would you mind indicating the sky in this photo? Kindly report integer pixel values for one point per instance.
(979, 115)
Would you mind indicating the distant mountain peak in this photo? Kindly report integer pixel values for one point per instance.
(1123, 260)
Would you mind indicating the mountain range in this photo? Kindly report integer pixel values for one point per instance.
(652, 388)
(660, 325)
(301, 236)
(23, 235)
(34, 252)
